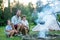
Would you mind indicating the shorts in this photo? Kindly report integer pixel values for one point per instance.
(15, 26)
(7, 33)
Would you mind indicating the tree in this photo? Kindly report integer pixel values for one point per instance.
(1, 2)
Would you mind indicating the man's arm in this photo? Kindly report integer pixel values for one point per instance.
(12, 23)
(13, 26)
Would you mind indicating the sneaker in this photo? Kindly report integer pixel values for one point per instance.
(19, 34)
(16, 34)
(11, 37)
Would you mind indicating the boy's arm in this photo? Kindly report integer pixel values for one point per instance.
(8, 30)
(27, 24)
(12, 26)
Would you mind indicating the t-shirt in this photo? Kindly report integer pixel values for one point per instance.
(8, 27)
(25, 23)
(15, 20)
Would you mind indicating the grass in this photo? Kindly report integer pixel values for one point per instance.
(3, 36)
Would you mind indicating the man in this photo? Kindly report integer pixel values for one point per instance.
(16, 20)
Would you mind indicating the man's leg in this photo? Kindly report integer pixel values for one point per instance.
(21, 27)
(15, 31)
(18, 27)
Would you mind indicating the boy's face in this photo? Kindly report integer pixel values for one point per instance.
(9, 22)
(24, 18)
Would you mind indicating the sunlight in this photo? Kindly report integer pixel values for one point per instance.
(24, 2)
(5, 2)
(11, 1)
(34, 1)
(44, 2)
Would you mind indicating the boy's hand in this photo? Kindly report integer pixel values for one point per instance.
(15, 30)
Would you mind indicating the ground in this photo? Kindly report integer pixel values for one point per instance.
(3, 36)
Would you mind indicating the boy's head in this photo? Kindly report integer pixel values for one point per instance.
(24, 17)
(8, 22)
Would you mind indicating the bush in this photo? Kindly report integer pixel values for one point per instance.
(58, 17)
(26, 10)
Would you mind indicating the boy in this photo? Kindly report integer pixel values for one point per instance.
(25, 24)
(9, 29)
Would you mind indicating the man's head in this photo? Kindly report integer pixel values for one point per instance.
(18, 13)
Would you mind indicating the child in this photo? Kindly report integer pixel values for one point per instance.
(25, 24)
(9, 29)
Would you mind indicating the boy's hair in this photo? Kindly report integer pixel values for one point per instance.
(23, 16)
(7, 21)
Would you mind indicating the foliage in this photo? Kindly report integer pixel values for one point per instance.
(1, 2)
(26, 10)
(58, 17)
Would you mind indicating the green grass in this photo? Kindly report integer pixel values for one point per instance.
(3, 36)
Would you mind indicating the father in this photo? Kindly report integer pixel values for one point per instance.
(16, 20)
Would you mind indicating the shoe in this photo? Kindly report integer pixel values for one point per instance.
(19, 34)
(11, 37)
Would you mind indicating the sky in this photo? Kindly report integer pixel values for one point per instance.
(25, 2)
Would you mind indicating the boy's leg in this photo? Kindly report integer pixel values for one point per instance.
(11, 33)
(26, 30)
(23, 31)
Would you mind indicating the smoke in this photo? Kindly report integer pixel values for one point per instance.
(49, 9)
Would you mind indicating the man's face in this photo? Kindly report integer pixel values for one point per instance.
(18, 13)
